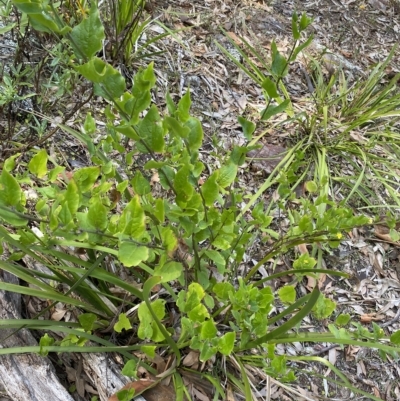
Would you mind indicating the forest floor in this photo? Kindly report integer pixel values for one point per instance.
(352, 35)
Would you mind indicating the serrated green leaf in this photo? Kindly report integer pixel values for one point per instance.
(394, 235)
(169, 239)
(9, 163)
(87, 37)
(151, 131)
(149, 350)
(38, 164)
(295, 28)
(130, 254)
(221, 243)
(148, 327)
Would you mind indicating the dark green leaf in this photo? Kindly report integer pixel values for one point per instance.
(272, 110)
(87, 37)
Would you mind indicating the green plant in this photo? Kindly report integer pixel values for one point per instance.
(179, 236)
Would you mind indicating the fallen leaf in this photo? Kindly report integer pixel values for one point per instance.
(139, 386)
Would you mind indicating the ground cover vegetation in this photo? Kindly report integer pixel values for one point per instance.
(149, 207)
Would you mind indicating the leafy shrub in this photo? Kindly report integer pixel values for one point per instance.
(148, 203)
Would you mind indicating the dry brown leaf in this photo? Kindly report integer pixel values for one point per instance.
(139, 386)
(234, 37)
(371, 317)
(266, 158)
(191, 359)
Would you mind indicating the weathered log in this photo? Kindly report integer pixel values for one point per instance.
(25, 376)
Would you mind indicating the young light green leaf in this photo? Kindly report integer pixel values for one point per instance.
(305, 21)
(10, 191)
(227, 174)
(148, 327)
(305, 261)
(140, 185)
(311, 186)
(343, 319)
(73, 196)
(395, 337)
(208, 330)
(184, 107)
(86, 177)
(198, 314)
(131, 255)
(168, 239)
(149, 350)
(168, 272)
(222, 290)
(38, 164)
(218, 259)
(210, 189)
(132, 221)
(287, 294)
(87, 37)
(89, 126)
(195, 138)
(226, 343)
(130, 368)
(97, 215)
(323, 308)
(122, 324)
(151, 131)
(183, 188)
(176, 127)
(159, 210)
(87, 320)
